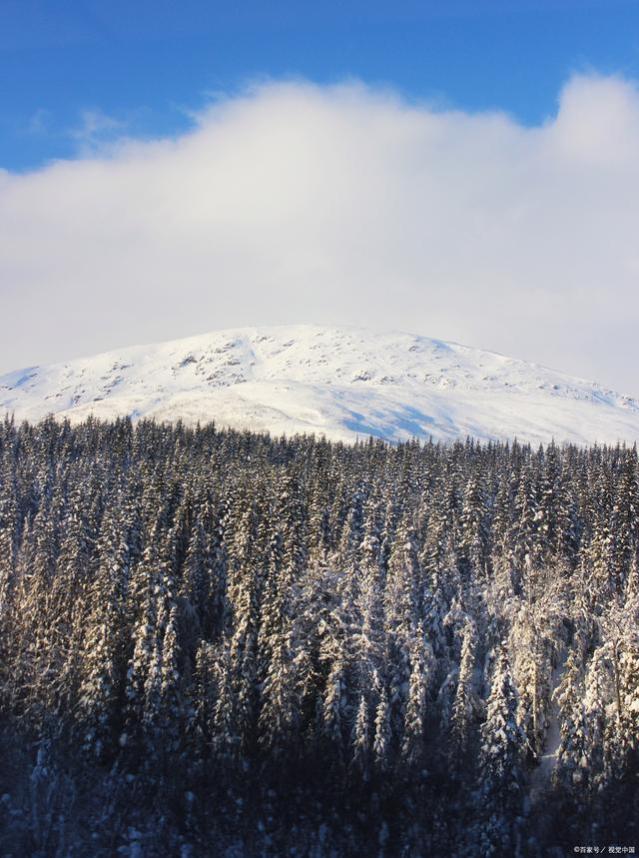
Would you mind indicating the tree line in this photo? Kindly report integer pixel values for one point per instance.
(221, 643)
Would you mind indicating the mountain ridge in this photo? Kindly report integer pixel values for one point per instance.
(341, 382)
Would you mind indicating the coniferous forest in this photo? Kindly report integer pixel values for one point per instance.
(218, 643)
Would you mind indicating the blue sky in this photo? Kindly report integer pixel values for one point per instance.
(465, 169)
(74, 72)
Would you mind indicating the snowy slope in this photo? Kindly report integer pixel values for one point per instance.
(340, 382)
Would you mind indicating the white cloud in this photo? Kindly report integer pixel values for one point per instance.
(95, 130)
(294, 202)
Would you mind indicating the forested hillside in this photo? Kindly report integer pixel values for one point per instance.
(216, 643)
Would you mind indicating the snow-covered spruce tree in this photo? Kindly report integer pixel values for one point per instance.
(198, 574)
(412, 747)
(598, 706)
(246, 570)
(276, 643)
(464, 707)
(501, 775)
(204, 695)
(629, 720)
(625, 519)
(278, 712)
(102, 664)
(39, 668)
(144, 604)
(9, 536)
(536, 639)
(170, 710)
(600, 548)
(369, 632)
(402, 610)
(361, 739)
(616, 663)
(524, 536)
(334, 704)
(441, 529)
(474, 529)
(572, 755)
(383, 737)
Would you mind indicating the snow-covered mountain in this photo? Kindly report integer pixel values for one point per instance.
(343, 383)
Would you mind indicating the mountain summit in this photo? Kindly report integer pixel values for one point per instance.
(343, 383)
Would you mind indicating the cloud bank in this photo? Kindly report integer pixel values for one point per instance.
(298, 203)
